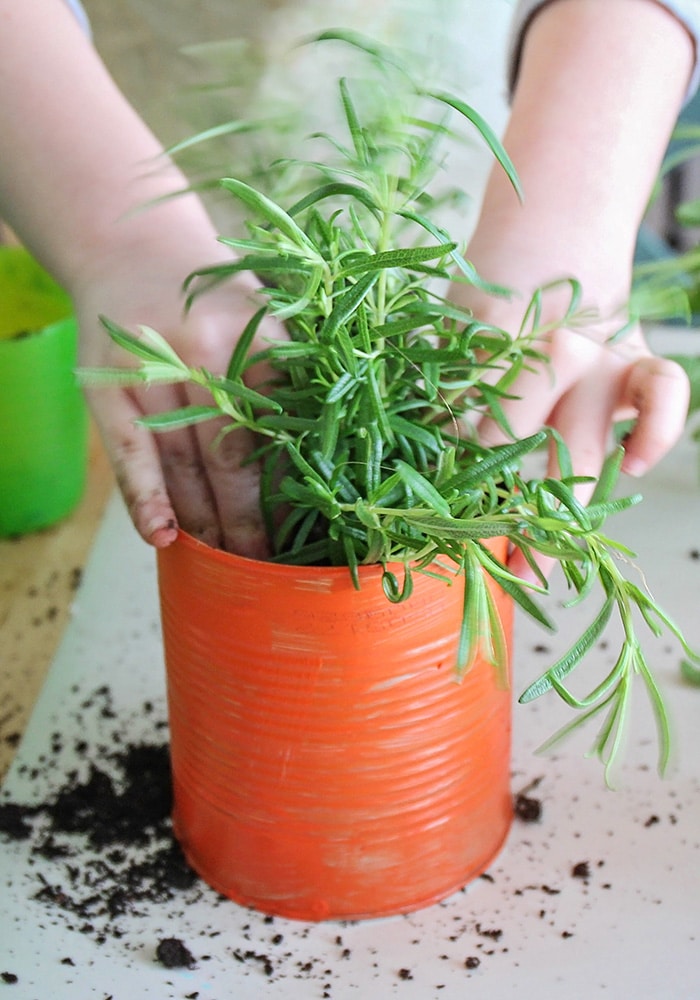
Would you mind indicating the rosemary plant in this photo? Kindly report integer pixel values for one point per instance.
(366, 434)
(667, 288)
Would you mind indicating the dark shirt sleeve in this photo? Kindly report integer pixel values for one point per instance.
(687, 12)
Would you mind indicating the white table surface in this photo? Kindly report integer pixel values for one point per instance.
(630, 930)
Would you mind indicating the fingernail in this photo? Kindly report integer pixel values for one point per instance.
(160, 535)
(634, 466)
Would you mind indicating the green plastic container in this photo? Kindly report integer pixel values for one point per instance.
(43, 416)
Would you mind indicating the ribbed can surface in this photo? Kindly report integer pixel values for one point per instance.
(326, 761)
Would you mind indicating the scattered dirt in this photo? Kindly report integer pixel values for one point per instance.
(174, 954)
(14, 821)
(108, 830)
(528, 809)
(102, 855)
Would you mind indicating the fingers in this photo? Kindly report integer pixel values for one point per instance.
(189, 478)
(589, 387)
(585, 388)
(537, 390)
(134, 457)
(658, 392)
(188, 486)
(181, 465)
(234, 482)
(195, 477)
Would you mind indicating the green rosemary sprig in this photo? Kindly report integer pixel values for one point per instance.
(371, 409)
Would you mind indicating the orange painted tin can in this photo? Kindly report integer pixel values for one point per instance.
(327, 762)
